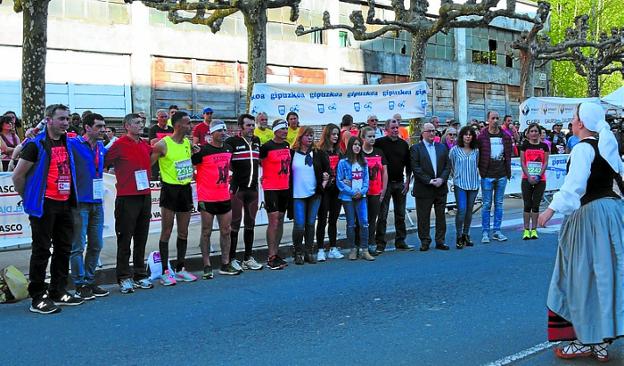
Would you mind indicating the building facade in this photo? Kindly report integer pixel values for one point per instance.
(114, 58)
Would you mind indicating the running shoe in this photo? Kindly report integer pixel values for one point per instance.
(251, 264)
(229, 270)
(98, 291)
(526, 234)
(143, 283)
(236, 264)
(207, 273)
(126, 286)
(44, 305)
(497, 235)
(167, 279)
(321, 257)
(67, 300)
(84, 292)
(184, 276)
(334, 253)
(274, 263)
(281, 261)
(485, 238)
(534, 234)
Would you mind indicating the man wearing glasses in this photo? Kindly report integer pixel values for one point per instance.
(397, 155)
(372, 122)
(495, 149)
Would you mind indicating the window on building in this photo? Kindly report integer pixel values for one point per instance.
(343, 39)
(491, 46)
(317, 37)
(103, 11)
(441, 46)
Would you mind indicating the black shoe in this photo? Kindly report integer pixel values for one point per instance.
(299, 259)
(274, 263)
(67, 300)
(378, 251)
(229, 270)
(84, 292)
(424, 247)
(442, 247)
(310, 258)
(403, 247)
(98, 291)
(459, 244)
(44, 305)
(467, 241)
(282, 262)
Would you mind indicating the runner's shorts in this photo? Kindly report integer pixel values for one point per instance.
(215, 208)
(175, 197)
(276, 200)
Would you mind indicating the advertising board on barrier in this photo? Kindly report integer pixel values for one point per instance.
(320, 104)
(549, 110)
(15, 227)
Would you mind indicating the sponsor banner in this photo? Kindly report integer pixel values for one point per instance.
(14, 224)
(321, 104)
(549, 110)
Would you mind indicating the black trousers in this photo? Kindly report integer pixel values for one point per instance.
(53, 229)
(423, 216)
(132, 220)
(329, 208)
(394, 191)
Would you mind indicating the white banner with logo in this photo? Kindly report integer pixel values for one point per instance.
(549, 110)
(322, 104)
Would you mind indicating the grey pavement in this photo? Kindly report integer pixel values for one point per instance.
(479, 306)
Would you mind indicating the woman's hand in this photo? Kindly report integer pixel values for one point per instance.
(544, 217)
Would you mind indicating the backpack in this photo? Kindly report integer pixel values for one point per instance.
(13, 285)
(155, 266)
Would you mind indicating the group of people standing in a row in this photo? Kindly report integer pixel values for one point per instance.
(60, 180)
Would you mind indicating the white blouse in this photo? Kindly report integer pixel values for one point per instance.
(574, 185)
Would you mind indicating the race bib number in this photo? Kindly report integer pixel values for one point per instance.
(142, 183)
(98, 189)
(534, 167)
(64, 185)
(184, 169)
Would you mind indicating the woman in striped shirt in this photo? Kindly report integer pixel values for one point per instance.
(464, 158)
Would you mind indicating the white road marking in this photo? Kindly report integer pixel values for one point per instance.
(523, 354)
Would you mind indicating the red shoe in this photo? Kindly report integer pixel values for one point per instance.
(574, 349)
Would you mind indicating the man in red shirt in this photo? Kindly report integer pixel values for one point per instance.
(131, 158)
(201, 132)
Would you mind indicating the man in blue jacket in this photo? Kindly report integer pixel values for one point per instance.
(45, 178)
(88, 216)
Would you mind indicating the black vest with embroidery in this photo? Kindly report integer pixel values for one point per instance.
(600, 181)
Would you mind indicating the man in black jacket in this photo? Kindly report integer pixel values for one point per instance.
(429, 161)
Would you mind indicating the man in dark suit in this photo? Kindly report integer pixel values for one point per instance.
(429, 161)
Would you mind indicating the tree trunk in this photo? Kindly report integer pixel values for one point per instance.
(255, 22)
(417, 73)
(593, 88)
(34, 50)
(527, 69)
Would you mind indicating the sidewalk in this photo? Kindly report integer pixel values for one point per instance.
(106, 275)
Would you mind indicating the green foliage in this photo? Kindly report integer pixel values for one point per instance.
(603, 15)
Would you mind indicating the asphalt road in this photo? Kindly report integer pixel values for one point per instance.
(476, 306)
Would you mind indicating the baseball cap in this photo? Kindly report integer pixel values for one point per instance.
(207, 110)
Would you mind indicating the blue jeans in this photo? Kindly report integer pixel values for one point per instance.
(305, 210)
(88, 227)
(465, 200)
(352, 208)
(489, 187)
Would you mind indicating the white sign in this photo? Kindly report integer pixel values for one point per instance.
(322, 104)
(549, 110)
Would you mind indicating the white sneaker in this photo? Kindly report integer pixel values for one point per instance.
(497, 235)
(334, 253)
(236, 264)
(320, 257)
(485, 238)
(252, 264)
